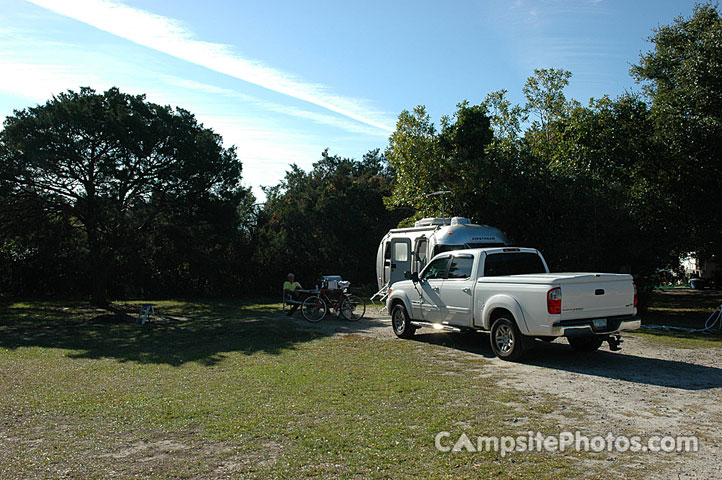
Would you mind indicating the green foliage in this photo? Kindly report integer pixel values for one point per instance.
(682, 76)
(117, 169)
(576, 183)
(544, 92)
(506, 119)
(112, 192)
(413, 153)
(426, 161)
(38, 250)
(326, 221)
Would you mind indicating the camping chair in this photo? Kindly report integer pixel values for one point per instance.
(147, 313)
(288, 300)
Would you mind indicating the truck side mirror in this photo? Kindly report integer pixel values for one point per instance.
(413, 276)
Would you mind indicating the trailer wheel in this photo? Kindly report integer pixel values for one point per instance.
(400, 322)
(507, 341)
(585, 344)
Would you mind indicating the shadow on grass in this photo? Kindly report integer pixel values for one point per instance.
(184, 332)
(681, 307)
(470, 342)
(602, 363)
(686, 298)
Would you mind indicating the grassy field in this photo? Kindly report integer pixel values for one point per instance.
(236, 390)
(686, 308)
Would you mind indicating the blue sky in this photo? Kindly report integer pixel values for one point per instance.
(282, 80)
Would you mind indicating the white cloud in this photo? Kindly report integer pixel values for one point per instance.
(168, 36)
(39, 82)
(266, 152)
(329, 120)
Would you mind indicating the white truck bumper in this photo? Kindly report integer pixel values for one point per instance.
(596, 326)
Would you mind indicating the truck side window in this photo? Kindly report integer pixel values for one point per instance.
(461, 266)
(436, 269)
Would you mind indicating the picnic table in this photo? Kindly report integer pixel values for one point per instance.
(304, 293)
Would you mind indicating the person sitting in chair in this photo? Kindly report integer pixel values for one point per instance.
(290, 288)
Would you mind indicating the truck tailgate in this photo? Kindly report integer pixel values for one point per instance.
(596, 295)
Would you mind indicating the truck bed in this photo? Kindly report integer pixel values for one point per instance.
(584, 295)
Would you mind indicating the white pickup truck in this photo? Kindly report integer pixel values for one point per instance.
(510, 293)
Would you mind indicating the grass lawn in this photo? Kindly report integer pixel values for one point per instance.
(234, 390)
(682, 307)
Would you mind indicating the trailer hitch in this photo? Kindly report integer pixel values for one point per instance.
(615, 342)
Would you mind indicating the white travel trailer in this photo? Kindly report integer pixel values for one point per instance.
(408, 249)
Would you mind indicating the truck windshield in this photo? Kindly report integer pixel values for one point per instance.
(498, 264)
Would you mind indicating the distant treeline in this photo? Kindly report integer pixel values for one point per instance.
(109, 196)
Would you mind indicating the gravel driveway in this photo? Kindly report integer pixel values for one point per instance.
(646, 389)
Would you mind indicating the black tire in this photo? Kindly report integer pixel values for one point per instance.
(400, 322)
(313, 309)
(353, 308)
(506, 340)
(585, 344)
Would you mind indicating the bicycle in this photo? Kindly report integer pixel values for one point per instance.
(351, 307)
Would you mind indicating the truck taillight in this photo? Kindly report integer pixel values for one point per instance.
(635, 294)
(554, 300)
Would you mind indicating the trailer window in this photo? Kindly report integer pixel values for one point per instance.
(498, 264)
(461, 266)
(401, 252)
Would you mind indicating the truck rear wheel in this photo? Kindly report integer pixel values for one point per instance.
(585, 344)
(400, 322)
(507, 341)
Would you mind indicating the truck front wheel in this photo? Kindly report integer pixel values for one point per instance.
(585, 344)
(400, 322)
(507, 341)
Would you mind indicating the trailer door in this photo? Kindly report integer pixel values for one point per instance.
(400, 259)
(387, 264)
(420, 253)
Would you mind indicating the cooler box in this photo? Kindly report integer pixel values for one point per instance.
(332, 281)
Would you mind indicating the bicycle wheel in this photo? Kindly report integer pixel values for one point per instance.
(313, 309)
(353, 307)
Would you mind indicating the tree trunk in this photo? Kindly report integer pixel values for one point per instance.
(98, 268)
(99, 286)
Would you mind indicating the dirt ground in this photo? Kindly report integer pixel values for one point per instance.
(646, 389)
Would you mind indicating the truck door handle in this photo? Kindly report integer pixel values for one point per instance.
(393, 265)
(466, 290)
(436, 289)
